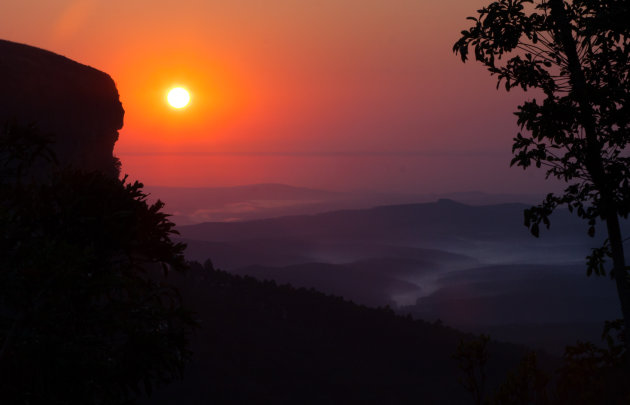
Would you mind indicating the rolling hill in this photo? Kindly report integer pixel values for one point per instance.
(472, 266)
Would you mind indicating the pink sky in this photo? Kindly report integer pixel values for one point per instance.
(328, 93)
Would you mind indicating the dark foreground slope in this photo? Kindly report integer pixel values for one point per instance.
(262, 343)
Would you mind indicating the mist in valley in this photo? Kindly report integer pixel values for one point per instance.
(467, 261)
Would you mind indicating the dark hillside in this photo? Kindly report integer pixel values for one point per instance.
(263, 343)
(376, 287)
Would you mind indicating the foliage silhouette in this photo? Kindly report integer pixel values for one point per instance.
(588, 375)
(86, 315)
(472, 356)
(577, 55)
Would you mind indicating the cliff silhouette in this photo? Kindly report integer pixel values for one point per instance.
(75, 105)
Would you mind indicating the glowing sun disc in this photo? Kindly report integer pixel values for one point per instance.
(178, 97)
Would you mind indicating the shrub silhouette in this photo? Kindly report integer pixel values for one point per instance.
(86, 315)
(588, 375)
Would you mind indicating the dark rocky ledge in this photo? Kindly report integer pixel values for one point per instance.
(77, 105)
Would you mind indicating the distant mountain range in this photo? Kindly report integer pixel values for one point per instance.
(493, 233)
(466, 265)
(221, 204)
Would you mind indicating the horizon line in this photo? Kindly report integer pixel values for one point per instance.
(438, 153)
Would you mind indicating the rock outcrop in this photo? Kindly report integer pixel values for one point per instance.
(76, 105)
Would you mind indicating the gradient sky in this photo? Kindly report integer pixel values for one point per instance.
(337, 94)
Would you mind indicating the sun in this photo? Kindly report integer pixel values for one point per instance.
(178, 97)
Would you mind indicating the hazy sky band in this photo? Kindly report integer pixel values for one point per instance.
(282, 78)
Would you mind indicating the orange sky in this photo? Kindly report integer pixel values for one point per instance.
(327, 93)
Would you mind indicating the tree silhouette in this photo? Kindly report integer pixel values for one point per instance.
(472, 357)
(86, 315)
(576, 54)
(588, 374)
